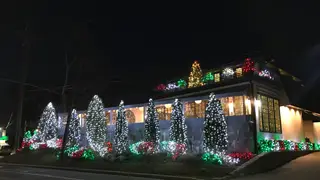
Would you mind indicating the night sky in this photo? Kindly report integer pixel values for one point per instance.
(124, 53)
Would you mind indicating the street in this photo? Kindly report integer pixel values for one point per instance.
(306, 167)
(16, 172)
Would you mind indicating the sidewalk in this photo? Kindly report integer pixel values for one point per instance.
(306, 167)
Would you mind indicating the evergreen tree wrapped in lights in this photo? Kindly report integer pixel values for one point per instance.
(121, 132)
(215, 127)
(74, 130)
(95, 123)
(151, 125)
(195, 78)
(48, 124)
(178, 128)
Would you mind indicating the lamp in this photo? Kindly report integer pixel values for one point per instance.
(198, 101)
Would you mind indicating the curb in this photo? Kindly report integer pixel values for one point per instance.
(123, 173)
(244, 165)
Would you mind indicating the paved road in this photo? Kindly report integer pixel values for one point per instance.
(305, 168)
(16, 172)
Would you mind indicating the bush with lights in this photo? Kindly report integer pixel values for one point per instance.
(215, 140)
(151, 126)
(74, 134)
(271, 145)
(46, 135)
(95, 123)
(121, 132)
(178, 129)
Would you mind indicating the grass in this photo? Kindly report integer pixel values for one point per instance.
(191, 166)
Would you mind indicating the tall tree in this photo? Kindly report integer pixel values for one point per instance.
(215, 127)
(195, 77)
(74, 130)
(48, 124)
(151, 124)
(121, 134)
(178, 128)
(95, 123)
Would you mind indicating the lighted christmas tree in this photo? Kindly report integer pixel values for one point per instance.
(121, 132)
(248, 65)
(74, 130)
(195, 78)
(215, 137)
(95, 123)
(151, 125)
(178, 128)
(48, 124)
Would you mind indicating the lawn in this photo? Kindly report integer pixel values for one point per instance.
(190, 166)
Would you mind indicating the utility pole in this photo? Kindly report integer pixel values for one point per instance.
(24, 73)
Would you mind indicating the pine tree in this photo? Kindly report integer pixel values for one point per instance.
(195, 78)
(151, 125)
(121, 132)
(95, 123)
(74, 130)
(178, 128)
(215, 127)
(48, 124)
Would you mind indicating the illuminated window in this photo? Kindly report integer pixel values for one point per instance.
(277, 116)
(114, 116)
(164, 111)
(225, 107)
(269, 115)
(195, 109)
(217, 77)
(108, 117)
(238, 72)
(238, 105)
(247, 103)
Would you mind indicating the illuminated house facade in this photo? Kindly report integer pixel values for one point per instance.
(253, 97)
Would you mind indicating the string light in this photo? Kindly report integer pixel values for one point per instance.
(178, 128)
(171, 86)
(248, 65)
(215, 127)
(48, 124)
(121, 132)
(227, 73)
(266, 74)
(151, 125)
(182, 83)
(195, 77)
(95, 123)
(74, 130)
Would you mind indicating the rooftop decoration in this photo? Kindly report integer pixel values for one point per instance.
(248, 65)
(266, 74)
(182, 83)
(161, 87)
(208, 77)
(228, 73)
(171, 86)
(195, 75)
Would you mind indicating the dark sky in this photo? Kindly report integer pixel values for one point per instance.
(123, 52)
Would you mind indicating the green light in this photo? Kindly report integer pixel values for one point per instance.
(182, 83)
(4, 138)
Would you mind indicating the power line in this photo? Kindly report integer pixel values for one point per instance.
(28, 84)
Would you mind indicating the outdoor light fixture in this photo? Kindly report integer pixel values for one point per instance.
(198, 101)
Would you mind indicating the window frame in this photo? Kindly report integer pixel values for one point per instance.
(261, 116)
